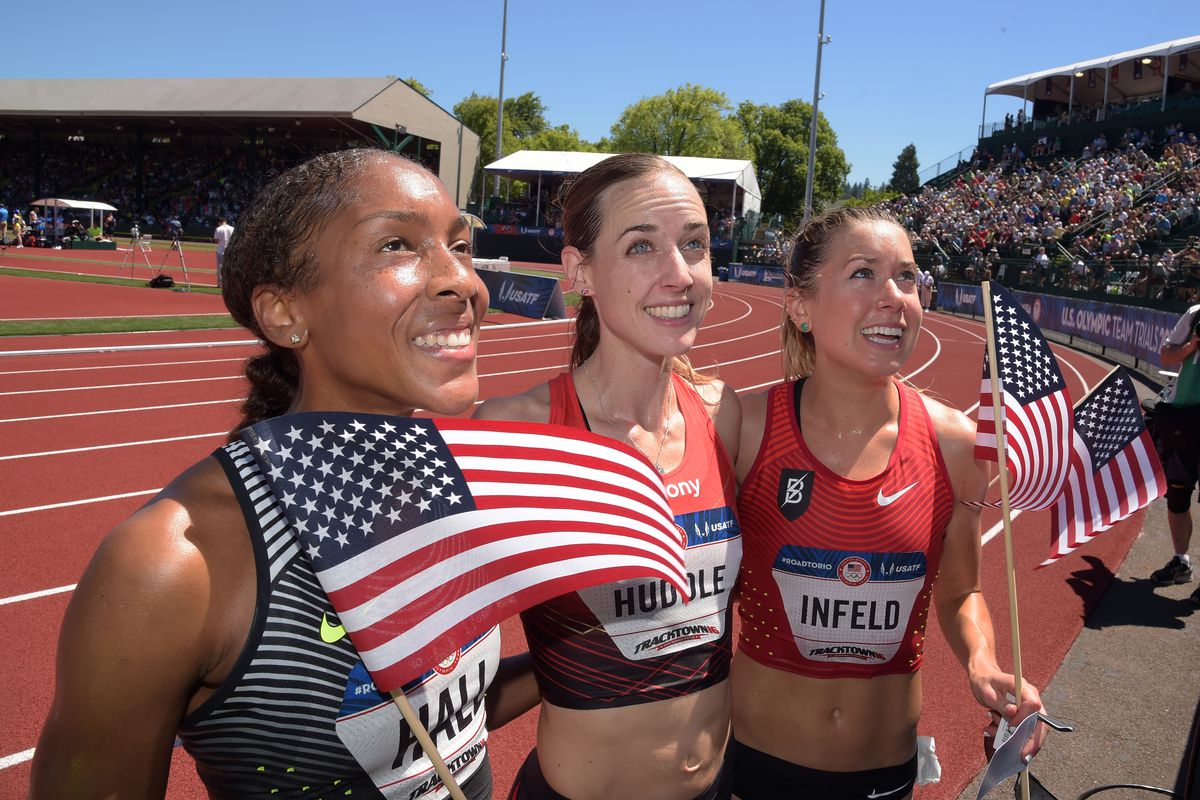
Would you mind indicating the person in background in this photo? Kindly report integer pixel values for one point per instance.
(1181, 460)
(18, 227)
(3, 223)
(634, 684)
(200, 616)
(853, 506)
(221, 236)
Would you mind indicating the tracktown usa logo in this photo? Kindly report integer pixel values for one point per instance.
(846, 650)
(795, 492)
(854, 571)
(681, 634)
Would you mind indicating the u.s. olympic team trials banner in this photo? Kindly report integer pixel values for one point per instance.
(526, 295)
(1138, 332)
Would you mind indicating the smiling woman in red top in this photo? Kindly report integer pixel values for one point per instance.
(851, 505)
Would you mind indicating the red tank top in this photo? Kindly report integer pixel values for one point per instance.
(636, 641)
(838, 573)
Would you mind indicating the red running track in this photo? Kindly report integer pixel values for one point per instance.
(86, 437)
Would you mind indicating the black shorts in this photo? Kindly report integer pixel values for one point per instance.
(531, 783)
(1181, 468)
(758, 776)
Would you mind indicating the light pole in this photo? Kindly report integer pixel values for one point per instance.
(822, 40)
(500, 104)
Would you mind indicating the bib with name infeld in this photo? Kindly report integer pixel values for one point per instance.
(837, 573)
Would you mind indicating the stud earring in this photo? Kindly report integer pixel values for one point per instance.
(585, 291)
(296, 338)
(805, 327)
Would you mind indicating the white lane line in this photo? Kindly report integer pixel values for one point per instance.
(123, 410)
(12, 512)
(129, 365)
(16, 758)
(122, 385)
(21, 598)
(117, 348)
(993, 531)
(112, 446)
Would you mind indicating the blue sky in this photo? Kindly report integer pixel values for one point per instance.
(895, 72)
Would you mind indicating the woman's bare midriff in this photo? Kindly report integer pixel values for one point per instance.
(669, 749)
(839, 725)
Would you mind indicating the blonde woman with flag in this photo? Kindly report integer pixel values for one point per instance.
(852, 505)
(634, 683)
(200, 616)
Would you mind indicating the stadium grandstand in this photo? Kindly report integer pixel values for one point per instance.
(526, 227)
(1095, 190)
(197, 149)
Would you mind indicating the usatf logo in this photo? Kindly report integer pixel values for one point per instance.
(448, 663)
(795, 492)
(854, 571)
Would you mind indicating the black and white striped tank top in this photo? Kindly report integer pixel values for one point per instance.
(299, 717)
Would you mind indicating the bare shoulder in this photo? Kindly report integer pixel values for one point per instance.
(754, 416)
(956, 438)
(725, 409)
(529, 406)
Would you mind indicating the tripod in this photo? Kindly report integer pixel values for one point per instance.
(137, 244)
(177, 246)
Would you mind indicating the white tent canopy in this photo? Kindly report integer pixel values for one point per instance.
(58, 202)
(1129, 76)
(90, 206)
(530, 165)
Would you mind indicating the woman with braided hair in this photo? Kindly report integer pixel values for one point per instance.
(199, 616)
(852, 510)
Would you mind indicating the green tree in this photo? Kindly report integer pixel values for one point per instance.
(688, 121)
(904, 171)
(420, 87)
(563, 138)
(778, 138)
(524, 118)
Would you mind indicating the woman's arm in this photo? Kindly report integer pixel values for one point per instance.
(962, 612)
(129, 657)
(513, 691)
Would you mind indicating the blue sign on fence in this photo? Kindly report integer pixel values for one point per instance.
(763, 274)
(1138, 332)
(526, 295)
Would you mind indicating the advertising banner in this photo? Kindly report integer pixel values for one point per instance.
(526, 295)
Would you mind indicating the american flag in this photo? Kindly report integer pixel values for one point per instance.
(1114, 469)
(424, 533)
(1037, 408)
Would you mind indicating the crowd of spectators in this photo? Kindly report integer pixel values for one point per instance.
(195, 184)
(1080, 222)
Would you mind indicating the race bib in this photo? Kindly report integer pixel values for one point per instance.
(449, 701)
(848, 607)
(648, 618)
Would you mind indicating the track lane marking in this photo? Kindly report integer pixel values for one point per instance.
(93, 448)
(13, 512)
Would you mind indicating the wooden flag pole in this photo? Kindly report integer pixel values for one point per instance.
(1005, 511)
(414, 724)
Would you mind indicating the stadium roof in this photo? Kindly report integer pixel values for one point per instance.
(363, 109)
(524, 164)
(1125, 86)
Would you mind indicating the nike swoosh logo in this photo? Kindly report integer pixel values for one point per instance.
(888, 499)
(904, 785)
(330, 633)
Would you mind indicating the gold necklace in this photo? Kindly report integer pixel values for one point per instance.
(657, 460)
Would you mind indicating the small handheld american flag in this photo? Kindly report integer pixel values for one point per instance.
(1037, 408)
(1114, 469)
(424, 533)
